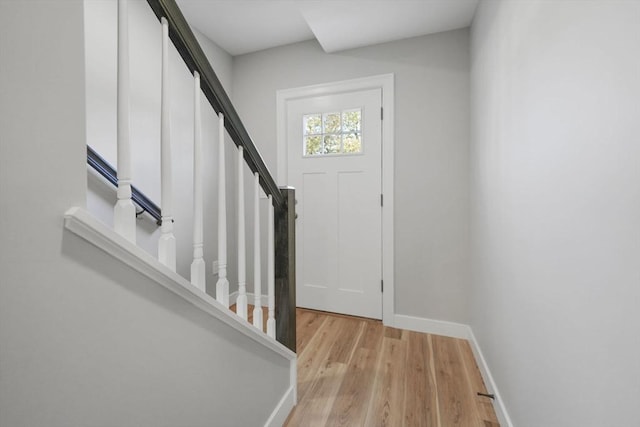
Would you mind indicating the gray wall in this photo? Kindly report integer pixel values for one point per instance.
(556, 206)
(431, 169)
(145, 53)
(85, 340)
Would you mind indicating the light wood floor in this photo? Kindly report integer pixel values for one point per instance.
(356, 372)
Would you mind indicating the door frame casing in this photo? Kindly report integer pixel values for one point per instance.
(385, 82)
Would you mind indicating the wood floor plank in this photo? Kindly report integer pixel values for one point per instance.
(484, 404)
(387, 401)
(372, 335)
(308, 323)
(355, 391)
(421, 404)
(456, 403)
(392, 332)
(315, 355)
(433, 379)
(345, 341)
(316, 409)
(357, 386)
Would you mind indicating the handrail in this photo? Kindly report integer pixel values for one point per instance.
(110, 174)
(187, 45)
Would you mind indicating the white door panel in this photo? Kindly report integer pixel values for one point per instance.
(338, 234)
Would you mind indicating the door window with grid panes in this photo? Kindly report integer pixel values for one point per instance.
(334, 133)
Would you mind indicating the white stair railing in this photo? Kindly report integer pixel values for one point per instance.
(271, 274)
(124, 212)
(167, 242)
(241, 301)
(257, 286)
(222, 286)
(198, 265)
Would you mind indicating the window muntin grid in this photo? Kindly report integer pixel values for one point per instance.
(333, 133)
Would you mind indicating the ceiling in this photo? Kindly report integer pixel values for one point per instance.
(244, 26)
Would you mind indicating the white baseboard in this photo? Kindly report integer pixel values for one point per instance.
(283, 409)
(430, 326)
(458, 330)
(233, 297)
(498, 404)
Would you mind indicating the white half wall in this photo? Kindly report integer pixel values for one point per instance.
(556, 208)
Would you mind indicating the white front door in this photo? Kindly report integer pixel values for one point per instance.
(334, 145)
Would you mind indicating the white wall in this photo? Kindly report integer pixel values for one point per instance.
(556, 208)
(145, 37)
(431, 183)
(85, 340)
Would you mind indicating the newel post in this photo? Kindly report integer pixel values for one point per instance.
(285, 269)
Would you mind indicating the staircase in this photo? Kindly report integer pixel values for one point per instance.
(270, 325)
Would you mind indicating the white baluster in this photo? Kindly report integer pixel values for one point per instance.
(197, 266)
(222, 286)
(271, 321)
(257, 287)
(167, 242)
(124, 212)
(241, 302)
